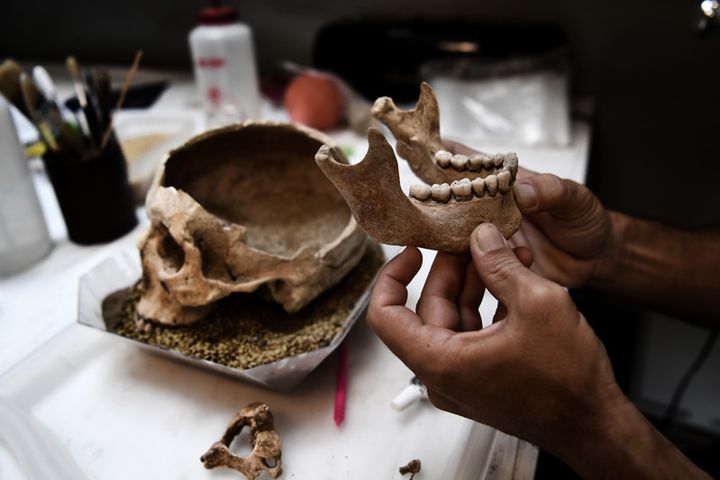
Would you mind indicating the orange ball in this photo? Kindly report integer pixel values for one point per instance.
(315, 100)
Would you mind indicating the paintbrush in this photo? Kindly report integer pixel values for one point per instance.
(10, 85)
(121, 99)
(31, 96)
(48, 118)
(89, 122)
(64, 119)
(93, 101)
(104, 94)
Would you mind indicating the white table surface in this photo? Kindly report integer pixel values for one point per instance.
(190, 408)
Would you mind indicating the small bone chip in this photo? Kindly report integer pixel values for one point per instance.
(264, 441)
(413, 468)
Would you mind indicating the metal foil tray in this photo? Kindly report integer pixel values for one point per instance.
(123, 270)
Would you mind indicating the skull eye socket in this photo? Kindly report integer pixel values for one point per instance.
(172, 254)
(214, 266)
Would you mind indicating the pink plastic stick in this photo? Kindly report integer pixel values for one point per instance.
(341, 385)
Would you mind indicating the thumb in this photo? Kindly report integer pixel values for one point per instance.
(497, 265)
(563, 198)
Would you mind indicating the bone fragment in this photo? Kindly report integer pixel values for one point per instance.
(372, 187)
(266, 454)
(413, 468)
(511, 163)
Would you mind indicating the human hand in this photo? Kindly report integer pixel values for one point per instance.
(538, 372)
(573, 238)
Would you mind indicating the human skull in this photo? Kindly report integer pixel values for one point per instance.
(240, 208)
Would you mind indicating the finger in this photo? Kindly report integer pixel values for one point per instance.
(500, 313)
(498, 267)
(470, 299)
(548, 193)
(440, 401)
(525, 173)
(519, 239)
(525, 255)
(391, 285)
(437, 304)
(396, 325)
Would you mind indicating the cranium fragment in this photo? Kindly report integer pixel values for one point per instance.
(465, 190)
(239, 208)
(265, 443)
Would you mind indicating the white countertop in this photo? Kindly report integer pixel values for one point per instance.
(183, 410)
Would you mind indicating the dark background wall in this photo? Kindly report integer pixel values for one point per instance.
(656, 82)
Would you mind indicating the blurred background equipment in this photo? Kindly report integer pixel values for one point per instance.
(497, 83)
(314, 99)
(82, 157)
(224, 62)
(523, 100)
(24, 237)
(386, 57)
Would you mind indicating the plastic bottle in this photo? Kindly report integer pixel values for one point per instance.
(224, 64)
(24, 237)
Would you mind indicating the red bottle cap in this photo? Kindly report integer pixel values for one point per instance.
(217, 14)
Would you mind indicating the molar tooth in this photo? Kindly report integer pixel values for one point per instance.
(462, 189)
(459, 162)
(511, 164)
(475, 162)
(478, 186)
(491, 183)
(440, 192)
(442, 158)
(504, 180)
(421, 192)
(498, 158)
(488, 163)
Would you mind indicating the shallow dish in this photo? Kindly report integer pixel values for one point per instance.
(124, 270)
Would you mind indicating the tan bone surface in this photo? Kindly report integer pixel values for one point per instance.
(266, 454)
(459, 193)
(242, 208)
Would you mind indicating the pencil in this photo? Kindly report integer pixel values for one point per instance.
(341, 384)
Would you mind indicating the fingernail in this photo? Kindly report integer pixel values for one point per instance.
(488, 238)
(525, 196)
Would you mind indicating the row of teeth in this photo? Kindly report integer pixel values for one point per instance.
(464, 189)
(475, 162)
